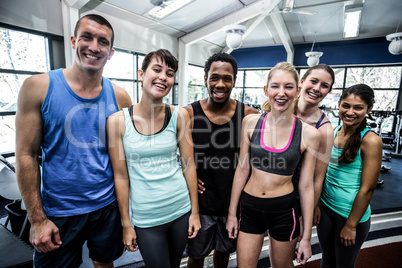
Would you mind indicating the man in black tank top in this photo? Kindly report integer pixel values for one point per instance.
(216, 123)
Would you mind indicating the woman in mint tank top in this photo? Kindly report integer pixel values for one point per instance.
(350, 181)
(143, 142)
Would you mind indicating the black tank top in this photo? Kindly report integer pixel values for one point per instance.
(277, 161)
(216, 154)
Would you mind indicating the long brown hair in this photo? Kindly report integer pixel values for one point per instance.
(281, 66)
(352, 145)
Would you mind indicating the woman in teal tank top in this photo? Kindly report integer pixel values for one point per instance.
(143, 142)
(350, 181)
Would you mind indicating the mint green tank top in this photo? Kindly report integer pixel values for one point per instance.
(158, 189)
(342, 182)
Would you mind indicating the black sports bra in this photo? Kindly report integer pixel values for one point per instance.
(277, 161)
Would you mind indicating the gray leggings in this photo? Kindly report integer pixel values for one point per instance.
(162, 246)
(335, 254)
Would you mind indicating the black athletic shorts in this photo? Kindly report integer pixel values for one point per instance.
(278, 215)
(212, 236)
(101, 229)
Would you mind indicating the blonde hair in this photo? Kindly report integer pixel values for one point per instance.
(281, 66)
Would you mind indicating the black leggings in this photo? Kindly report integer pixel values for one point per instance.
(163, 245)
(335, 254)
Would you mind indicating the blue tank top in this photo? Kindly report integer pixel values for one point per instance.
(277, 161)
(77, 176)
(158, 189)
(343, 181)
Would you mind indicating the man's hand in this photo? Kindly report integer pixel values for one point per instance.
(201, 188)
(44, 236)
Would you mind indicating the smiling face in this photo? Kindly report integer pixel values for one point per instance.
(92, 45)
(220, 81)
(157, 79)
(316, 86)
(353, 110)
(281, 90)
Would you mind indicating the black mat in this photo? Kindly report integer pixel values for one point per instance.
(13, 251)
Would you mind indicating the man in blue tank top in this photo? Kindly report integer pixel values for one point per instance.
(61, 116)
(216, 123)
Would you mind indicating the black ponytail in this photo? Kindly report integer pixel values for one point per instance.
(352, 145)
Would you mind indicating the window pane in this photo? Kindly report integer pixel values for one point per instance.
(385, 100)
(195, 93)
(239, 79)
(7, 133)
(339, 77)
(128, 86)
(237, 93)
(10, 85)
(120, 66)
(331, 100)
(196, 75)
(256, 78)
(375, 77)
(254, 96)
(140, 60)
(22, 51)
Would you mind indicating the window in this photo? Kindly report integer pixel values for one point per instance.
(196, 86)
(385, 81)
(23, 53)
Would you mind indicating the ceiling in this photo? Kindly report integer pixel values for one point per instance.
(202, 21)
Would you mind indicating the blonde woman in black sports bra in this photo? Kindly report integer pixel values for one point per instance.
(272, 145)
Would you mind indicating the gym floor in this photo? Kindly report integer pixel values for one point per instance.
(388, 197)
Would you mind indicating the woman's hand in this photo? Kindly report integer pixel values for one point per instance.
(348, 235)
(303, 251)
(194, 225)
(130, 238)
(232, 227)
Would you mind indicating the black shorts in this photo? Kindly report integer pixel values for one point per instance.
(278, 215)
(101, 229)
(212, 235)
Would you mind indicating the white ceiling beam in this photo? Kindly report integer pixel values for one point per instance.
(251, 25)
(77, 4)
(283, 33)
(239, 16)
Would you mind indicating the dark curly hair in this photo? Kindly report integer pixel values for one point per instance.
(221, 56)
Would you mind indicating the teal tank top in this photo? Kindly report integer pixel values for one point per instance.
(158, 189)
(342, 182)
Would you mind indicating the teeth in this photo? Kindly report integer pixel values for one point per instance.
(91, 57)
(349, 118)
(313, 95)
(281, 101)
(219, 94)
(160, 86)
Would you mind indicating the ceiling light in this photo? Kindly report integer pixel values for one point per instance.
(313, 58)
(167, 7)
(234, 33)
(395, 47)
(352, 20)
